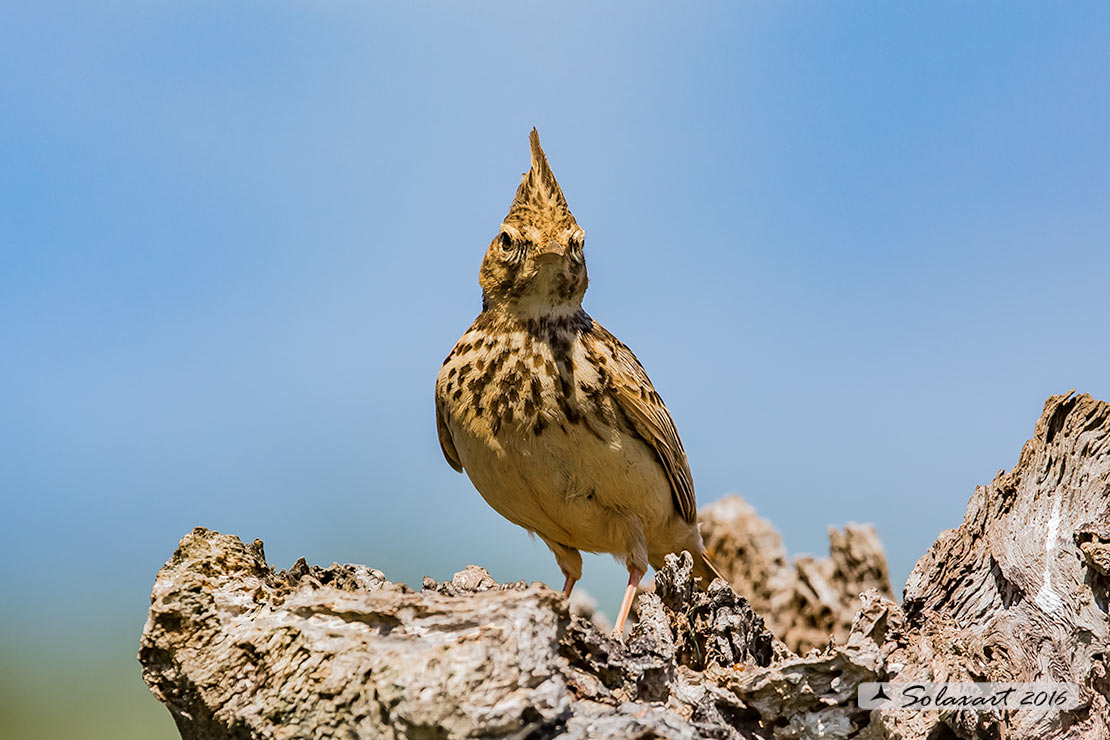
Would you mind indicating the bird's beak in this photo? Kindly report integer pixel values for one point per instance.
(551, 250)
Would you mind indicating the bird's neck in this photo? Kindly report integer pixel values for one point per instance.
(528, 309)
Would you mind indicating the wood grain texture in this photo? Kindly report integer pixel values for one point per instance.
(1017, 592)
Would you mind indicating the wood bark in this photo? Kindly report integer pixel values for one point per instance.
(1017, 592)
(805, 602)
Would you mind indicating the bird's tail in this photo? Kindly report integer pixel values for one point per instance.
(706, 570)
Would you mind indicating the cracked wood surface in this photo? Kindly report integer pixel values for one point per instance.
(1017, 592)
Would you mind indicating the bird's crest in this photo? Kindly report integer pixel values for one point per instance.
(539, 200)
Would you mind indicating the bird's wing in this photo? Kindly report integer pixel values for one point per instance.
(445, 442)
(636, 397)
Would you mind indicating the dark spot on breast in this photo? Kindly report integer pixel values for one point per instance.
(560, 347)
(510, 386)
(451, 372)
(457, 394)
(539, 426)
(479, 384)
(565, 400)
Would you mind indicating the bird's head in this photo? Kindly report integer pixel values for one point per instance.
(535, 267)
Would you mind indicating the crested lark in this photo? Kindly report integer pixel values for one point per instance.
(552, 417)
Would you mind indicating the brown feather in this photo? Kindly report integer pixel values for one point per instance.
(636, 397)
(445, 442)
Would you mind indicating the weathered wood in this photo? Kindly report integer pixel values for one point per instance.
(805, 602)
(1018, 592)
(1015, 593)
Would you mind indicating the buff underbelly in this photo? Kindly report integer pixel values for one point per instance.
(585, 493)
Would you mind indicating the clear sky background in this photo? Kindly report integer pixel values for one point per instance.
(856, 246)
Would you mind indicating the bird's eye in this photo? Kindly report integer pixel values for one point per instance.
(506, 241)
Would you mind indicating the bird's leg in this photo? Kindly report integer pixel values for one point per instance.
(570, 562)
(634, 577)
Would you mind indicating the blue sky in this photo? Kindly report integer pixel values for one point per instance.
(856, 246)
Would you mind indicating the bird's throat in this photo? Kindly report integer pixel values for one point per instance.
(529, 308)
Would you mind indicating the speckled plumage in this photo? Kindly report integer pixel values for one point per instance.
(552, 417)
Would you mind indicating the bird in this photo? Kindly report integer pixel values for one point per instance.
(553, 418)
